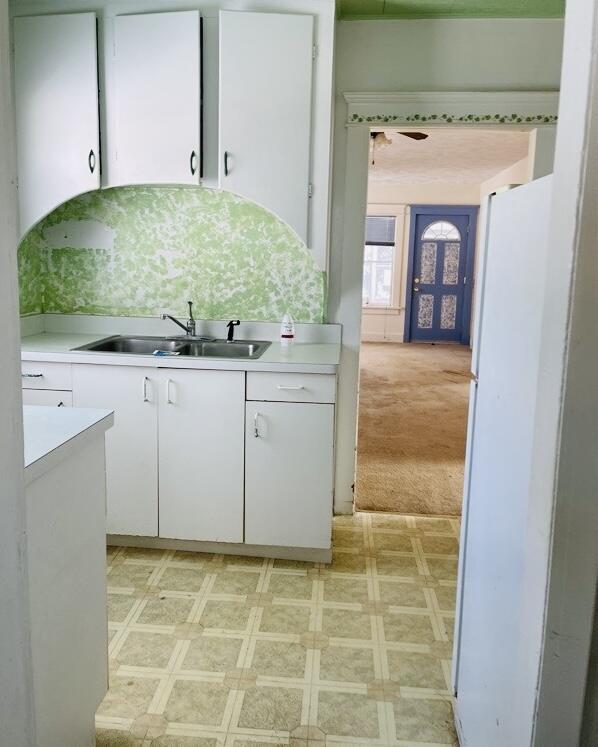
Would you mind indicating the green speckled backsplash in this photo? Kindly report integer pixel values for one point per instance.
(166, 245)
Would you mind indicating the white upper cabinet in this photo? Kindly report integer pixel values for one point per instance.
(56, 98)
(157, 74)
(265, 111)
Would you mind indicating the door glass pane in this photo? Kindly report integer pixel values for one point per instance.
(425, 311)
(450, 274)
(427, 272)
(448, 312)
(442, 230)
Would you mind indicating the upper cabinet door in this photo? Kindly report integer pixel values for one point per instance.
(158, 98)
(56, 97)
(265, 110)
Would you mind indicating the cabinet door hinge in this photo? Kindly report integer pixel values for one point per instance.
(310, 189)
(314, 51)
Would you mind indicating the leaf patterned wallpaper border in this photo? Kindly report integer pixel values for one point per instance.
(163, 245)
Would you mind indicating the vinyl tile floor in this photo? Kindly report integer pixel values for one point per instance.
(224, 651)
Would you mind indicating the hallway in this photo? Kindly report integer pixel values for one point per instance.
(412, 428)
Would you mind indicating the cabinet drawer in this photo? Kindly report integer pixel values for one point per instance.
(46, 375)
(51, 397)
(291, 387)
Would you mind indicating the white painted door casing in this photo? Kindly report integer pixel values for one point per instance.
(289, 474)
(131, 444)
(201, 445)
(265, 111)
(56, 102)
(157, 74)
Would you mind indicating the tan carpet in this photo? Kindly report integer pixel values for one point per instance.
(412, 426)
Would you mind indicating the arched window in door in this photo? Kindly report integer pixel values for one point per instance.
(441, 230)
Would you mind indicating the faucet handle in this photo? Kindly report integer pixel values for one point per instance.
(190, 310)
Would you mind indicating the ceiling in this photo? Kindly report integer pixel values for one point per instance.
(370, 9)
(448, 156)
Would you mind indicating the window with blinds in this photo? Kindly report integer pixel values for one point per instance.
(378, 263)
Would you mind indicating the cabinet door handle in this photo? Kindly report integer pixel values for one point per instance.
(193, 162)
(168, 398)
(91, 161)
(144, 389)
(256, 429)
(60, 404)
(32, 376)
(290, 388)
(226, 169)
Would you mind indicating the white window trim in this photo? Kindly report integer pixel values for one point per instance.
(397, 292)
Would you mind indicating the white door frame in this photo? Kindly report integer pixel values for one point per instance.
(535, 111)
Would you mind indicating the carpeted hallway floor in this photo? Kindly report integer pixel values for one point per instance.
(412, 426)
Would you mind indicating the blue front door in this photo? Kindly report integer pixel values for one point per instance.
(440, 291)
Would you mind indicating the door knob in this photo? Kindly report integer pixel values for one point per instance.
(416, 289)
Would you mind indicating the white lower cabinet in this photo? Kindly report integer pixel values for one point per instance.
(49, 397)
(131, 445)
(201, 434)
(289, 474)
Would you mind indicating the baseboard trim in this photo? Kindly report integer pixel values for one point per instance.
(381, 338)
(308, 554)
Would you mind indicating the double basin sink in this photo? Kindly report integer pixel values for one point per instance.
(195, 347)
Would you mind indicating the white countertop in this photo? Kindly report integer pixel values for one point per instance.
(299, 358)
(51, 433)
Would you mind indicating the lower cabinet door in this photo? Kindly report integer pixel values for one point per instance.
(202, 424)
(289, 474)
(131, 445)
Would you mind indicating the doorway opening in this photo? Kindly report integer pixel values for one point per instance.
(425, 189)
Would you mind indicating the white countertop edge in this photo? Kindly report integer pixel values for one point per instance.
(96, 424)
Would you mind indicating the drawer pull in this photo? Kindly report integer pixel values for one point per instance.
(32, 376)
(290, 388)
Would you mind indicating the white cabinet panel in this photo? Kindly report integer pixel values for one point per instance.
(265, 110)
(50, 397)
(131, 445)
(158, 89)
(56, 100)
(289, 471)
(291, 387)
(201, 454)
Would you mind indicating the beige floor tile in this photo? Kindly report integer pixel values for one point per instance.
(115, 738)
(405, 628)
(296, 565)
(244, 742)
(443, 568)
(416, 670)
(347, 624)
(347, 715)
(387, 521)
(128, 697)
(143, 553)
(400, 594)
(289, 586)
(196, 703)
(339, 589)
(182, 579)
(397, 565)
(348, 537)
(424, 721)
(130, 575)
(164, 610)
(347, 562)
(347, 664)
(278, 618)
(119, 606)
(235, 582)
(433, 524)
(274, 708)
(395, 542)
(169, 741)
(225, 615)
(195, 558)
(212, 654)
(279, 659)
(439, 545)
(147, 649)
(446, 596)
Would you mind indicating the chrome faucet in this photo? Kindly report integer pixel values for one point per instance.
(190, 326)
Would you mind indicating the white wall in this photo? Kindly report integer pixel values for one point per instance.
(16, 720)
(433, 55)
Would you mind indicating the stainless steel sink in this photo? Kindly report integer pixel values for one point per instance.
(196, 347)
